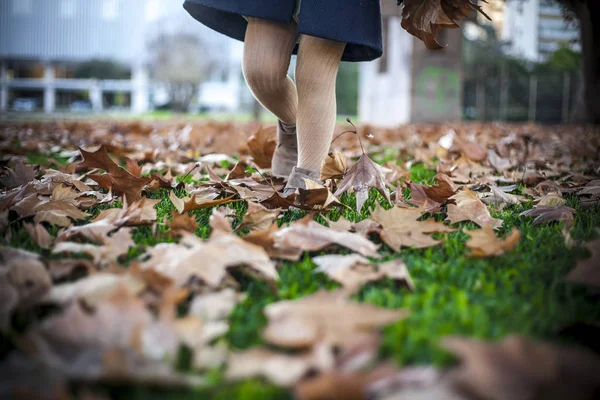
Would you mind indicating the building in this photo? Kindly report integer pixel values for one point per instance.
(42, 42)
(410, 83)
(534, 29)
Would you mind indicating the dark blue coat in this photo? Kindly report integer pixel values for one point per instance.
(355, 22)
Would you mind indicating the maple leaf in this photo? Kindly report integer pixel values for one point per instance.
(519, 368)
(441, 191)
(315, 196)
(324, 317)
(262, 146)
(313, 236)
(470, 208)
(363, 176)
(401, 228)
(484, 243)
(182, 222)
(21, 175)
(197, 202)
(550, 213)
(423, 18)
(334, 166)
(587, 271)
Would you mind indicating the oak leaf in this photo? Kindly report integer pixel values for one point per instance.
(484, 243)
(401, 228)
(363, 176)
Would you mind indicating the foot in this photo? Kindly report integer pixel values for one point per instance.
(296, 179)
(285, 157)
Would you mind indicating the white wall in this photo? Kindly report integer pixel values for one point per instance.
(385, 98)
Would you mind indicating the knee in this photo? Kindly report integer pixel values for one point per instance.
(264, 76)
(313, 77)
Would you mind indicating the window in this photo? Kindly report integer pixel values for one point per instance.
(68, 8)
(110, 9)
(22, 7)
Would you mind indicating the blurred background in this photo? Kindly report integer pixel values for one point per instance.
(150, 59)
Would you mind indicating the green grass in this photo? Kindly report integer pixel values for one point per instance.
(523, 291)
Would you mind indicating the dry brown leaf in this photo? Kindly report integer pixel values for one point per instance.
(316, 197)
(279, 368)
(219, 222)
(363, 176)
(423, 18)
(587, 272)
(262, 146)
(24, 280)
(550, 213)
(343, 385)
(441, 191)
(324, 317)
(315, 237)
(21, 175)
(470, 208)
(258, 217)
(551, 199)
(197, 202)
(93, 289)
(208, 260)
(109, 249)
(334, 166)
(518, 368)
(353, 271)
(39, 235)
(215, 306)
(501, 199)
(484, 243)
(401, 228)
(182, 222)
(142, 212)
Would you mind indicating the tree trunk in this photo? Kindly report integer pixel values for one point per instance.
(588, 14)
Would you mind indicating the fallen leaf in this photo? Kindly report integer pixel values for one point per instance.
(363, 176)
(550, 214)
(259, 217)
(39, 235)
(315, 237)
(215, 306)
(21, 175)
(423, 19)
(353, 271)
(109, 249)
(324, 317)
(518, 368)
(316, 197)
(401, 228)
(484, 243)
(469, 207)
(441, 191)
(334, 166)
(182, 222)
(219, 222)
(208, 260)
(587, 271)
(501, 199)
(262, 146)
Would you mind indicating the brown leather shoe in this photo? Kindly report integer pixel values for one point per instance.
(296, 179)
(285, 157)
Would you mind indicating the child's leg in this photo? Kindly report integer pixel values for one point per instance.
(268, 48)
(316, 71)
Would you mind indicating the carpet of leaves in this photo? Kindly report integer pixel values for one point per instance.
(159, 260)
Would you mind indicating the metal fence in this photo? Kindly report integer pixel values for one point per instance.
(512, 94)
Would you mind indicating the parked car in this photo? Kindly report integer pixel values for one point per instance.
(81, 106)
(24, 104)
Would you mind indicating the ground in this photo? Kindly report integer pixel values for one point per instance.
(523, 291)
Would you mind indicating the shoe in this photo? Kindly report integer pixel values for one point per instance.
(285, 157)
(296, 179)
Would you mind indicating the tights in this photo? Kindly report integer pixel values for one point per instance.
(311, 106)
